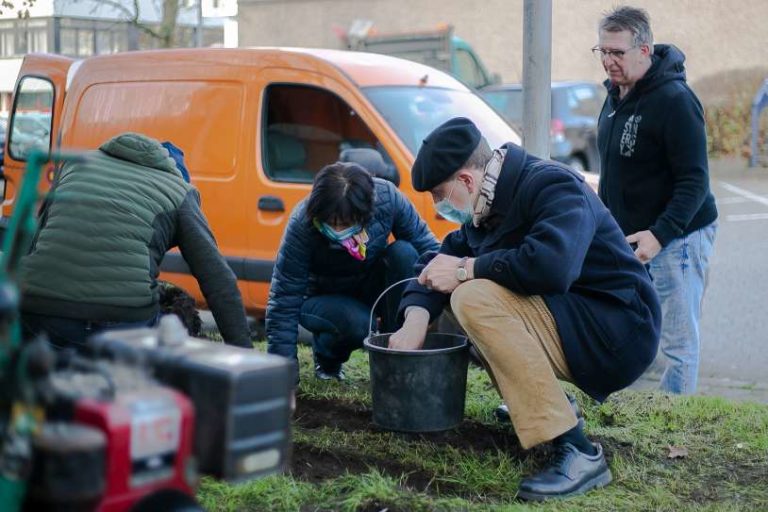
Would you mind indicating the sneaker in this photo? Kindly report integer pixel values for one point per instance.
(502, 411)
(323, 374)
(571, 473)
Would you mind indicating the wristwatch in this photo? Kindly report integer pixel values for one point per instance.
(461, 272)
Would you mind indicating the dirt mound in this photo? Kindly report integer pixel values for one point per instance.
(349, 417)
(315, 465)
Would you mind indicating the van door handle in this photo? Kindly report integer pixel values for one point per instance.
(271, 204)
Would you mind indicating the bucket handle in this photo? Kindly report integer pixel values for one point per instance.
(376, 303)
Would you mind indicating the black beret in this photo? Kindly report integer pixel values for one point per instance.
(443, 152)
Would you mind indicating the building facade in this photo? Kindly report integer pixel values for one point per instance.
(83, 28)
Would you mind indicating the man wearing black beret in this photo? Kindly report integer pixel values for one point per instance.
(544, 283)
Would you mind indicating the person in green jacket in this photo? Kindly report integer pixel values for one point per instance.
(104, 229)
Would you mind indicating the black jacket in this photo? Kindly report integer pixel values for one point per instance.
(548, 234)
(653, 152)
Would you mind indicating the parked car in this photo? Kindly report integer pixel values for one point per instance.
(573, 130)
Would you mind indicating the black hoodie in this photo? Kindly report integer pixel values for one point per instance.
(653, 151)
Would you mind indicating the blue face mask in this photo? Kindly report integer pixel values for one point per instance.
(337, 236)
(451, 213)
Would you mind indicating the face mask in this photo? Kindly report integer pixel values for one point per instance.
(451, 213)
(337, 236)
(353, 239)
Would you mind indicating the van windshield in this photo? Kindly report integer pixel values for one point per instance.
(413, 112)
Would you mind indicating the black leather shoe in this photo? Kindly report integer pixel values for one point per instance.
(571, 473)
(502, 411)
(323, 374)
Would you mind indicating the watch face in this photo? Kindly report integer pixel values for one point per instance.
(461, 274)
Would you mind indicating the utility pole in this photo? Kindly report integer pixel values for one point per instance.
(537, 76)
(199, 30)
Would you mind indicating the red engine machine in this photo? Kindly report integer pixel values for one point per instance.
(113, 440)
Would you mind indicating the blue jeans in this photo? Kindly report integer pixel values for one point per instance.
(679, 275)
(66, 333)
(339, 323)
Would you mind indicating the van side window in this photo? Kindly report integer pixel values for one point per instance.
(307, 128)
(30, 125)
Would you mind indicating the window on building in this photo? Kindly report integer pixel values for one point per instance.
(85, 42)
(21, 41)
(103, 42)
(120, 39)
(22, 36)
(68, 42)
(37, 40)
(7, 43)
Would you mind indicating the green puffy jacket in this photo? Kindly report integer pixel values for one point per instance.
(105, 228)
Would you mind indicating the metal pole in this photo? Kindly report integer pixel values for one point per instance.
(537, 76)
(199, 30)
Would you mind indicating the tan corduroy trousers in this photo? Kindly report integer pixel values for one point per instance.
(518, 341)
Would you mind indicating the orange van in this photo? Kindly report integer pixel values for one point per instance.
(255, 126)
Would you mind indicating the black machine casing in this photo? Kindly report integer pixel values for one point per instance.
(241, 397)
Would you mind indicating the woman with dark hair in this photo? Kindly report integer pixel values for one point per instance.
(336, 258)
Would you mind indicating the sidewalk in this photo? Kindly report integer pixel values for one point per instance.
(711, 386)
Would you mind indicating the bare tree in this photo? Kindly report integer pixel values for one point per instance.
(131, 10)
(164, 33)
(21, 6)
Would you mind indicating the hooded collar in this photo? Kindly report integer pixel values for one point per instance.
(141, 150)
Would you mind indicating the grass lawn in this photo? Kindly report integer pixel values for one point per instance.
(342, 462)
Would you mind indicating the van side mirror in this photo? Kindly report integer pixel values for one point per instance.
(372, 161)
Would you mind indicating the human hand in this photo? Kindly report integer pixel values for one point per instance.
(440, 274)
(411, 335)
(647, 245)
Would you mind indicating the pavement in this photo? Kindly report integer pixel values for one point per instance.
(734, 324)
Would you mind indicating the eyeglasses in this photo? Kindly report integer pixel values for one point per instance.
(602, 53)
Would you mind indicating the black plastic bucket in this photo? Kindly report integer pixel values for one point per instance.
(418, 390)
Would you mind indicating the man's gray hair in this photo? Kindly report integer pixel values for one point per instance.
(633, 19)
(480, 156)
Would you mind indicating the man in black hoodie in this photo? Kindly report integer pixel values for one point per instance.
(655, 179)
